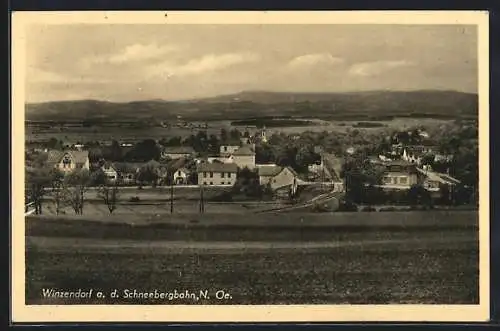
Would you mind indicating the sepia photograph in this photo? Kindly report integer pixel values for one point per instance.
(198, 161)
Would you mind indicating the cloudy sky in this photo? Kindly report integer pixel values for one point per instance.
(172, 62)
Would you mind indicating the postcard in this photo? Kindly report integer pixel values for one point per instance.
(250, 166)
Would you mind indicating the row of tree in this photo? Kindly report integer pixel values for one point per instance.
(66, 190)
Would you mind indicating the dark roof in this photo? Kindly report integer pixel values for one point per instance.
(55, 156)
(217, 167)
(400, 163)
(179, 150)
(244, 151)
(127, 167)
(176, 164)
(269, 170)
(273, 170)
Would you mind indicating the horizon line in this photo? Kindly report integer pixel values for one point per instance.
(198, 99)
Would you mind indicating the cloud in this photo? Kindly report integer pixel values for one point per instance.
(366, 69)
(40, 76)
(204, 64)
(314, 59)
(132, 53)
(36, 75)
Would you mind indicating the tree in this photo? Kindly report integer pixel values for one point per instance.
(37, 180)
(144, 151)
(418, 195)
(97, 178)
(264, 154)
(53, 143)
(108, 192)
(147, 174)
(213, 144)
(235, 134)
(77, 183)
(304, 157)
(58, 189)
(223, 135)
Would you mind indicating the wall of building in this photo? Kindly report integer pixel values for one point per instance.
(227, 149)
(245, 161)
(400, 178)
(180, 176)
(216, 178)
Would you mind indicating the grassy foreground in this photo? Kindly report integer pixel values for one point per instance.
(375, 262)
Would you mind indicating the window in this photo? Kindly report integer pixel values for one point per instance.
(225, 148)
(211, 175)
(205, 174)
(179, 172)
(274, 181)
(403, 180)
(222, 183)
(66, 161)
(228, 175)
(222, 175)
(395, 180)
(211, 183)
(204, 183)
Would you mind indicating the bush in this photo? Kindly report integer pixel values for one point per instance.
(134, 199)
(347, 206)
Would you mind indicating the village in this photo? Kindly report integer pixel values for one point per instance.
(400, 170)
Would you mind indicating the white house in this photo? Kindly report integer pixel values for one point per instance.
(180, 176)
(67, 161)
(110, 172)
(210, 174)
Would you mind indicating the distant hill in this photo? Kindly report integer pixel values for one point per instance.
(251, 104)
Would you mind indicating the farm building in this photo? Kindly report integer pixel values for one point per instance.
(276, 176)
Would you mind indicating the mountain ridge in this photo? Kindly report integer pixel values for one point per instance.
(264, 103)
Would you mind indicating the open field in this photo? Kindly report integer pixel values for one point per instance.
(248, 227)
(214, 127)
(351, 260)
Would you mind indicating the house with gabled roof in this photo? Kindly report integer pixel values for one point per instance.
(178, 171)
(110, 171)
(276, 176)
(68, 161)
(432, 180)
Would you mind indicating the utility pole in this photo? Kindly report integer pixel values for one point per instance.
(171, 198)
(202, 203)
